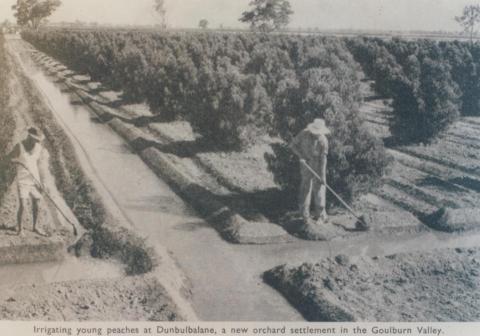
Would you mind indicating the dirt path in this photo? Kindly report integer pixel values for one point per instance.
(226, 279)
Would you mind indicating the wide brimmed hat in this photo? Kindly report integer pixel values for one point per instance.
(318, 127)
(35, 133)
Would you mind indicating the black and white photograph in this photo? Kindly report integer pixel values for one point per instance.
(240, 160)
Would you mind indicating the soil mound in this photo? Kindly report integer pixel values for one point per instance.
(311, 230)
(454, 220)
(413, 287)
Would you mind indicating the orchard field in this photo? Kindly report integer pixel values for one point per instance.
(212, 115)
(244, 91)
(235, 88)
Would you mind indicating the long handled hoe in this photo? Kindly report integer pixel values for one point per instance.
(50, 198)
(361, 223)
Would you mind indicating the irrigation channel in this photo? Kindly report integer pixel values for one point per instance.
(226, 279)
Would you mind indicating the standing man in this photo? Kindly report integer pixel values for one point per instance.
(26, 156)
(311, 147)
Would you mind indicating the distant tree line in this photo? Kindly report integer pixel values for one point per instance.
(267, 15)
(32, 13)
(469, 19)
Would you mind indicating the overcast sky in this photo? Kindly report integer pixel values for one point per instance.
(324, 14)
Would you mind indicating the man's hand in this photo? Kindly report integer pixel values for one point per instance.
(39, 186)
(320, 177)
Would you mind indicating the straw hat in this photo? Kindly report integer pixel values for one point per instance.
(318, 127)
(35, 134)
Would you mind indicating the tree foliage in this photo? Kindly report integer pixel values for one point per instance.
(268, 15)
(430, 83)
(464, 62)
(32, 13)
(469, 19)
(203, 23)
(159, 7)
(236, 88)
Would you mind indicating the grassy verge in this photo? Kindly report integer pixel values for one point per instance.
(7, 122)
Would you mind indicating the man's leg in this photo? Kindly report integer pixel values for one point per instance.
(21, 203)
(305, 196)
(320, 190)
(319, 201)
(35, 208)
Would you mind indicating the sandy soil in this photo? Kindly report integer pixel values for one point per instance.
(437, 286)
(235, 170)
(130, 299)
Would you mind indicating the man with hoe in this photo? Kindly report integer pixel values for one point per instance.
(26, 156)
(311, 147)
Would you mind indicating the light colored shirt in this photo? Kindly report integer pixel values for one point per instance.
(313, 148)
(29, 160)
(309, 146)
